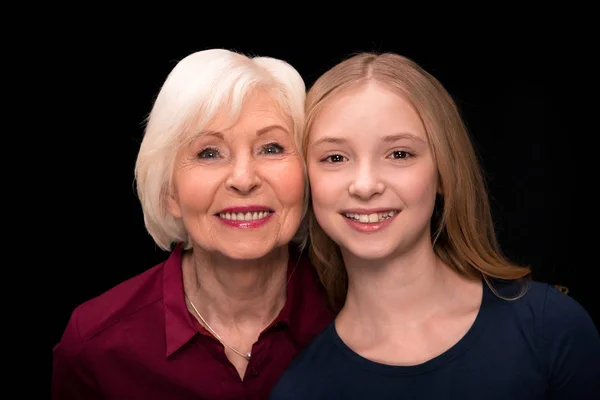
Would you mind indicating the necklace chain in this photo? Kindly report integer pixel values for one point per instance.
(248, 355)
(215, 334)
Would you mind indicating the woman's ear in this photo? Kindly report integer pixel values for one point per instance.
(173, 205)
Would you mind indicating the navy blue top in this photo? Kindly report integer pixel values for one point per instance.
(542, 346)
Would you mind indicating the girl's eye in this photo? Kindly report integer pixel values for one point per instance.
(334, 158)
(400, 155)
(209, 153)
(272, 148)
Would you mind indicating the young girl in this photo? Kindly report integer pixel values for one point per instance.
(402, 236)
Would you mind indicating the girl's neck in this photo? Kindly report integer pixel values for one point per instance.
(379, 291)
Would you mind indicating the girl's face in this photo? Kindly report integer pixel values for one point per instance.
(372, 173)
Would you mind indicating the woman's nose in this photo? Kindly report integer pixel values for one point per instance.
(243, 177)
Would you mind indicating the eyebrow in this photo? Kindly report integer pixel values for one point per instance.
(388, 139)
(211, 133)
(259, 132)
(271, 128)
(403, 135)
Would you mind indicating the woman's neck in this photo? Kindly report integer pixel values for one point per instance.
(240, 292)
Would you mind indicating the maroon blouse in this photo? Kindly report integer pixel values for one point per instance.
(139, 341)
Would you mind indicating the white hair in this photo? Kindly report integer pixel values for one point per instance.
(199, 86)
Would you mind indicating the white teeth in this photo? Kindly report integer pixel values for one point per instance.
(371, 218)
(249, 216)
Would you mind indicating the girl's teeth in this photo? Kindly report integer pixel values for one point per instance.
(371, 218)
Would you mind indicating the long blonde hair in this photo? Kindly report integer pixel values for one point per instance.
(463, 232)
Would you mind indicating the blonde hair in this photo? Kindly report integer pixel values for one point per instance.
(462, 227)
(199, 87)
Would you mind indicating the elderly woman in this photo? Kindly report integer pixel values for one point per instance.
(222, 188)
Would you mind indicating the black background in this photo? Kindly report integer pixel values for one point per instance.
(520, 99)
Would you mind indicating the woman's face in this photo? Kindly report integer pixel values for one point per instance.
(239, 189)
(372, 174)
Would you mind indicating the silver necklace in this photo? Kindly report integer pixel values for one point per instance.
(248, 355)
(215, 334)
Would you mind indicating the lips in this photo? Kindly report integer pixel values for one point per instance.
(370, 221)
(251, 216)
(245, 217)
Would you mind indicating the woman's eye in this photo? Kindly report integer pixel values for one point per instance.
(334, 158)
(272, 148)
(400, 154)
(208, 153)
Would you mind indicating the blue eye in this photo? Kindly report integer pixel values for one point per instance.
(208, 153)
(272, 148)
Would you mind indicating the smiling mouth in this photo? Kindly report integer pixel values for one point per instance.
(372, 218)
(245, 216)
